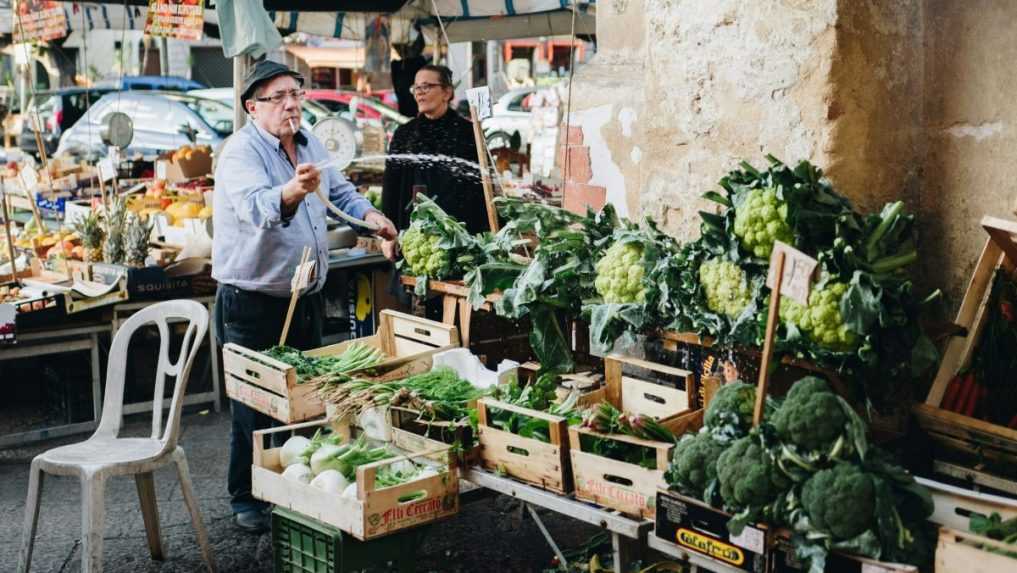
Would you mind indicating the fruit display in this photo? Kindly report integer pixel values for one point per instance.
(187, 152)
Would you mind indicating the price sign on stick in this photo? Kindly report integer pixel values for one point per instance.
(302, 277)
(480, 99)
(29, 180)
(480, 108)
(790, 274)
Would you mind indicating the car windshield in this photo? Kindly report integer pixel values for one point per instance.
(216, 114)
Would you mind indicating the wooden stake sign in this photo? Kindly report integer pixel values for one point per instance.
(302, 276)
(480, 109)
(7, 230)
(791, 273)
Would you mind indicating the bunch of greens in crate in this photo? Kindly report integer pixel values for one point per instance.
(439, 394)
(553, 284)
(357, 356)
(605, 418)
(540, 395)
(995, 527)
(808, 467)
(436, 245)
(862, 316)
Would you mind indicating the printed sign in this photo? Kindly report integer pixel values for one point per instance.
(36, 21)
(303, 276)
(29, 178)
(799, 269)
(106, 169)
(180, 19)
(480, 99)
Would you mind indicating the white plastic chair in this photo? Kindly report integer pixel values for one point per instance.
(104, 454)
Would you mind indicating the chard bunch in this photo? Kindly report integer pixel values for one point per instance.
(606, 419)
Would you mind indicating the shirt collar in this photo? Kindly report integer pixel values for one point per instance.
(273, 141)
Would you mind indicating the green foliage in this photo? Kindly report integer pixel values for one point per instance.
(994, 527)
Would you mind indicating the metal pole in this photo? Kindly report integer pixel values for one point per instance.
(239, 69)
(164, 56)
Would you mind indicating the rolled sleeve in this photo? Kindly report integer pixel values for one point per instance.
(248, 188)
(345, 196)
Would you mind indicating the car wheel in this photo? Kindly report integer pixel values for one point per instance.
(497, 139)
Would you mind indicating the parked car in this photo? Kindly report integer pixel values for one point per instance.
(511, 113)
(163, 83)
(162, 121)
(56, 110)
(370, 112)
(311, 112)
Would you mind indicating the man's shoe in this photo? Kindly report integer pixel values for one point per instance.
(253, 521)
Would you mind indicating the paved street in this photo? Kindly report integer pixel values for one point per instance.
(487, 535)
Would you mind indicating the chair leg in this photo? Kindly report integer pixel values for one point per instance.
(150, 513)
(184, 474)
(35, 479)
(93, 521)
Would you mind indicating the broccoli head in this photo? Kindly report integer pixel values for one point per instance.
(818, 422)
(840, 501)
(694, 463)
(748, 476)
(732, 407)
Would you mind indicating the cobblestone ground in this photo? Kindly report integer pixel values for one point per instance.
(488, 535)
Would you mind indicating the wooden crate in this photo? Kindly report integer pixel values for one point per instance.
(630, 488)
(950, 430)
(271, 387)
(539, 463)
(375, 511)
(964, 551)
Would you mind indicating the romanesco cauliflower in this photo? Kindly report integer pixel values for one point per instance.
(423, 255)
(620, 274)
(726, 287)
(760, 220)
(822, 319)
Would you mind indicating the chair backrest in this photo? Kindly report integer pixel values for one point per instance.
(161, 314)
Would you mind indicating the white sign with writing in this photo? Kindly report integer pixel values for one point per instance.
(799, 271)
(106, 169)
(29, 178)
(160, 168)
(480, 99)
(303, 276)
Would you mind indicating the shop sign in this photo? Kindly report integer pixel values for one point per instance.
(34, 21)
(180, 19)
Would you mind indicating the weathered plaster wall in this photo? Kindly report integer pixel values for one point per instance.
(910, 99)
(971, 103)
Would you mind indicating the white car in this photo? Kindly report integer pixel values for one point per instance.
(510, 114)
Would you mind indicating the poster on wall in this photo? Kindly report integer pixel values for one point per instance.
(180, 19)
(35, 21)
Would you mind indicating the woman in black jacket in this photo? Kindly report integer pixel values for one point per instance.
(436, 131)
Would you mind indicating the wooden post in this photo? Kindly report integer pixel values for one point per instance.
(295, 288)
(38, 142)
(485, 175)
(771, 331)
(7, 230)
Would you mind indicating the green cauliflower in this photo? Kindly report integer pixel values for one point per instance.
(694, 463)
(840, 501)
(749, 477)
(726, 287)
(620, 274)
(729, 414)
(423, 255)
(817, 425)
(822, 320)
(761, 219)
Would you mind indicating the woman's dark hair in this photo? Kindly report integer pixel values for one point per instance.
(444, 73)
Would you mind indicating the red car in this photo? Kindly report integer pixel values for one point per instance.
(339, 102)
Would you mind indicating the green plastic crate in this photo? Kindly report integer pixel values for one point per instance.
(301, 544)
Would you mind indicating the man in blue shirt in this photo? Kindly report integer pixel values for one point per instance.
(263, 219)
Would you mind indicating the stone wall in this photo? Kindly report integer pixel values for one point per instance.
(907, 99)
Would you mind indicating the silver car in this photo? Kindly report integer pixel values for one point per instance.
(163, 121)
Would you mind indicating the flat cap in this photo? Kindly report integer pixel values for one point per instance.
(262, 72)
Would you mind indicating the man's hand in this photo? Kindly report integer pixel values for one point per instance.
(386, 230)
(305, 180)
(390, 249)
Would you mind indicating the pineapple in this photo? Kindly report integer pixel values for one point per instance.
(138, 232)
(90, 228)
(115, 249)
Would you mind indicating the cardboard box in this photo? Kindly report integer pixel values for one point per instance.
(783, 560)
(174, 171)
(695, 527)
(156, 283)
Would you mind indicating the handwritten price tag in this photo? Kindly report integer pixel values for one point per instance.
(799, 270)
(303, 276)
(29, 179)
(106, 169)
(480, 98)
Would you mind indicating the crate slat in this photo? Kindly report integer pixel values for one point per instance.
(958, 551)
(527, 459)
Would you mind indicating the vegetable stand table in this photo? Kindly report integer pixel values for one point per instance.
(454, 303)
(626, 533)
(68, 338)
